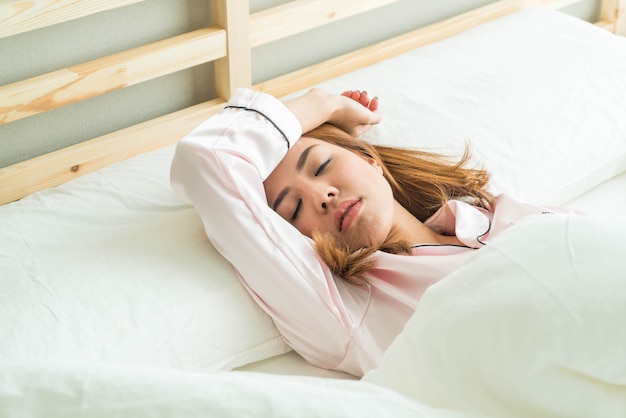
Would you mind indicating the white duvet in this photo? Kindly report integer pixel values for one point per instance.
(98, 392)
(533, 326)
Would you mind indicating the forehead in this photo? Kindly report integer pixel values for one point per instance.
(291, 159)
(302, 144)
(285, 170)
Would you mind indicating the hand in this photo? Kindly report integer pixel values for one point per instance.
(358, 114)
(352, 112)
(363, 98)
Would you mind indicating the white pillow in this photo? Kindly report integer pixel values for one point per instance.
(539, 95)
(113, 268)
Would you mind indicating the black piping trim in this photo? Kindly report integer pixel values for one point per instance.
(478, 238)
(440, 245)
(483, 234)
(265, 116)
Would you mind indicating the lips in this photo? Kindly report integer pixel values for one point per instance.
(346, 213)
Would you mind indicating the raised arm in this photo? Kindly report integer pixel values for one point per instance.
(352, 111)
(220, 168)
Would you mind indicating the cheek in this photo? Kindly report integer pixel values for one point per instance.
(305, 227)
(381, 217)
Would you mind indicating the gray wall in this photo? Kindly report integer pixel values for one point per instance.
(30, 54)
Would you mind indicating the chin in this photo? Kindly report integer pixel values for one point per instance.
(361, 242)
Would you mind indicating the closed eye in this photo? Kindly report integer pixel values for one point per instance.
(295, 212)
(323, 166)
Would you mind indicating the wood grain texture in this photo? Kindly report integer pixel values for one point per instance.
(50, 170)
(298, 16)
(613, 16)
(234, 70)
(23, 16)
(59, 88)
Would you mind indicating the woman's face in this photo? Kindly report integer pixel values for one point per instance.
(323, 187)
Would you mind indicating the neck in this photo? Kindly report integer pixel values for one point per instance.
(409, 229)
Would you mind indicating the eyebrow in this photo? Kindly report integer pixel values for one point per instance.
(280, 198)
(299, 165)
(303, 157)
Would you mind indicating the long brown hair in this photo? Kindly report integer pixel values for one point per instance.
(421, 181)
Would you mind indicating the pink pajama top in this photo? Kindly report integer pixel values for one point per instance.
(220, 168)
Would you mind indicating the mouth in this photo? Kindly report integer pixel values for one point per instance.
(346, 213)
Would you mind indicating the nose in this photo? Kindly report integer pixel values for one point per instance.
(326, 196)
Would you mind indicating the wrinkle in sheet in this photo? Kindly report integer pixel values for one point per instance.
(540, 280)
(30, 275)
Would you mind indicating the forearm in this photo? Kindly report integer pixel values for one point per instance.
(313, 108)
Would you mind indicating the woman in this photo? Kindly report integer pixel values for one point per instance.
(271, 198)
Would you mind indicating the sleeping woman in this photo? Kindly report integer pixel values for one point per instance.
(335, 238)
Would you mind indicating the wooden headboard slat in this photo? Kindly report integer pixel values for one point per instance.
(59, 88)
(235, 70)
(298, 16)
(613, 15)
(23, 16)
(50, 170)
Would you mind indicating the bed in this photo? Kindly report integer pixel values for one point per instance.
(114, 303)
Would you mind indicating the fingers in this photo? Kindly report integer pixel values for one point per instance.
(373, 104)
(357, 96)
(363, 98)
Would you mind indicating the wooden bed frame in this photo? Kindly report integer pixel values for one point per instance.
(227, 42)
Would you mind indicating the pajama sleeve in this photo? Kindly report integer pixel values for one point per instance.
(219, 168)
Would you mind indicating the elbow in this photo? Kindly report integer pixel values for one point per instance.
(183, 169)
